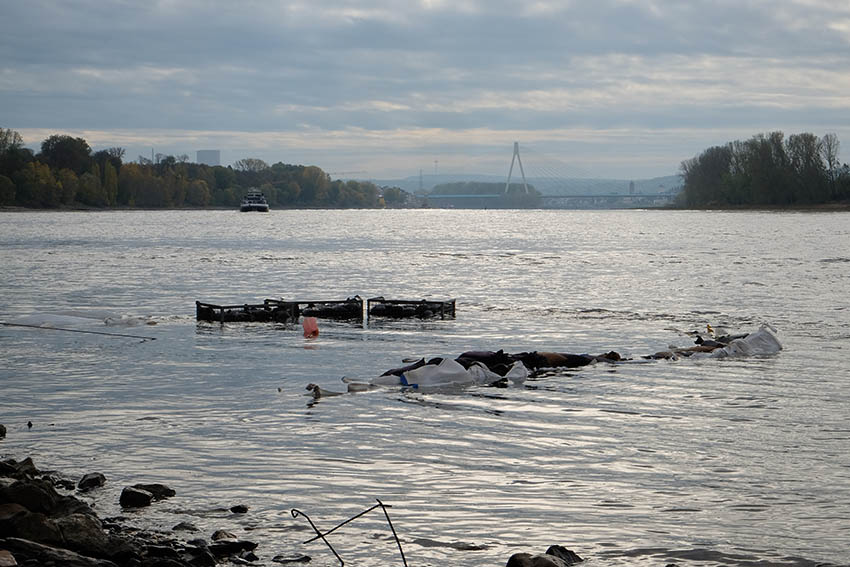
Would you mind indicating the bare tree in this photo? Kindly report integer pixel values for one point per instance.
(116, 152)
(250, 164)
(10, 140)
(829, 147)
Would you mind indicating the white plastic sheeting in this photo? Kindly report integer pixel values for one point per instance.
(84, 319)
(450, 373)
(760, 343)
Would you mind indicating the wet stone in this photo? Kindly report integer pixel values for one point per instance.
(159, 491)
(227, 547)
(90, 481)
(296, 559)
(222, 534)
(132, 497)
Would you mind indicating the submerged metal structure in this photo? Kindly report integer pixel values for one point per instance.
(349, 309)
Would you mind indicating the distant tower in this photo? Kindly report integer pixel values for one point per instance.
(511, 170)
(631, 187)
(209, 157)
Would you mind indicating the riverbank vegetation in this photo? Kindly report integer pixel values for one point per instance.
(66, 173)
(767, 170)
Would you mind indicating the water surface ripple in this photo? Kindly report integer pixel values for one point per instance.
(726, 462)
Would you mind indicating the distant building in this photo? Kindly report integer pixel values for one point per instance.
(209, 157)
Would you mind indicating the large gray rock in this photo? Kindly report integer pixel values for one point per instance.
(34, 495)
(222, 534)
(35, 526)
(9, 513)
(85, 534)
(90, 481)
(528, 560)
(200, 557)
(132, 497)
(15, 469)
(227, 547)
(569, 556)
(555, 556)
(38, 495)
(25, 550)
(159, 491)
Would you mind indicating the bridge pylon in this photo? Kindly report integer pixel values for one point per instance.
(517, 159)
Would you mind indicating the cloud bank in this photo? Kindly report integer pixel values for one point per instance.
(612, 88)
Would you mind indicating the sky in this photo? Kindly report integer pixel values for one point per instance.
(387, 88)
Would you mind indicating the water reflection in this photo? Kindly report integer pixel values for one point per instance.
(691, 461)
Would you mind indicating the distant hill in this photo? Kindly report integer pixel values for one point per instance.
(546, 186)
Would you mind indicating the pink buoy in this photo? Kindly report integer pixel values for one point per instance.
(311, 327)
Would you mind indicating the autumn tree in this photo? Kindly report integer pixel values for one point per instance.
(314, 185)
(289, 192)
(7, 191)
(393, 196)
(198, 194)
(13, 154)
(60, 151)
(110, 183)
(70, 183)
(703, 175)
(764, 170)
(10, 140)
(113, 156)
(90, 190)
(36, 186)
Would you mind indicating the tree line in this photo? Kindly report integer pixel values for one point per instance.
(767, 170)
(67, 173)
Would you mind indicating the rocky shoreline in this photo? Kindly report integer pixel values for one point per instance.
(44, 523)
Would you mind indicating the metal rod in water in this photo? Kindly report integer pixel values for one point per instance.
(363, 513)
(77, 331)
(333, 529)
(296, 513)
(400, 550)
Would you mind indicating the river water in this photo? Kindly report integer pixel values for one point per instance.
(694, 462)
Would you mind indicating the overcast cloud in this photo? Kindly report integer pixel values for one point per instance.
(610, 88)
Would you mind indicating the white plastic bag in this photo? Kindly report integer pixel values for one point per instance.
(760, 343)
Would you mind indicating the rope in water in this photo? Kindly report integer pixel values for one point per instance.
(77, 331)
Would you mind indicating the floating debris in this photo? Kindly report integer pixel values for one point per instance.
(349, 309)
(410, 309)
(270, 310)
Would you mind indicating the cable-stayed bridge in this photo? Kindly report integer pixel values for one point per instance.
(559, 186)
